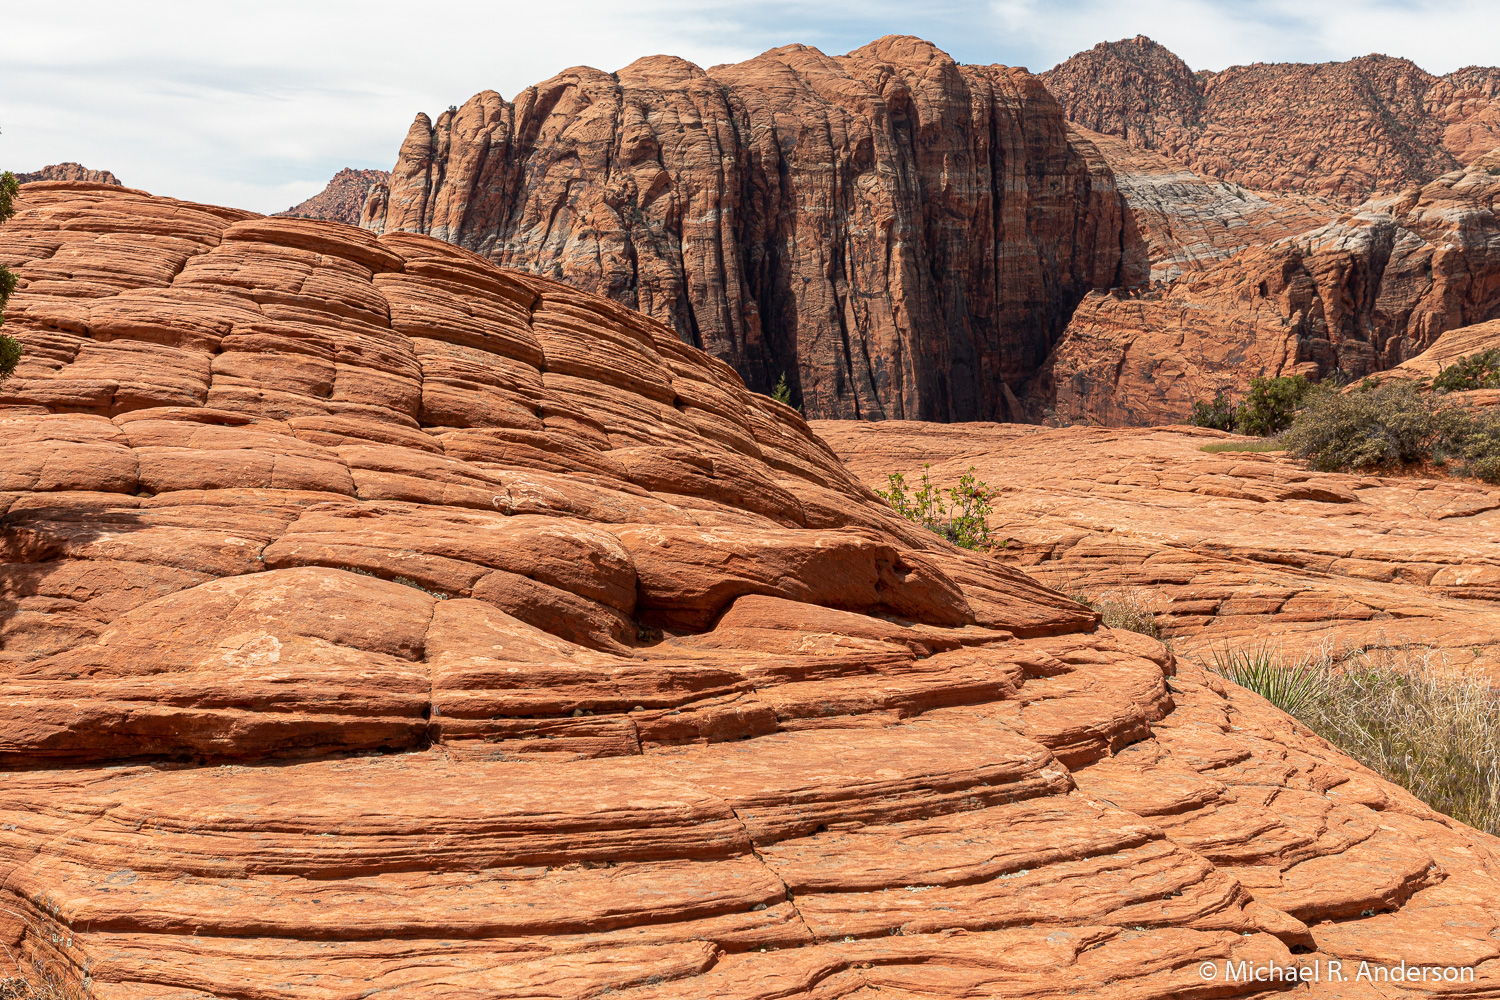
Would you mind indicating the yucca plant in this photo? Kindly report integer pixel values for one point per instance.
(1432, 729)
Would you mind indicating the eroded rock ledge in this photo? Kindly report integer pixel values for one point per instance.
(381, 623)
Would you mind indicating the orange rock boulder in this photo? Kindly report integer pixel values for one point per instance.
(380, 623)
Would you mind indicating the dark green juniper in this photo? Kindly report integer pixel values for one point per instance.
(10, 348)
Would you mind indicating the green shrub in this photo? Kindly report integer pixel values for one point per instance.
(1387, 425)
(783, 392)
(960, 513)
(10, 348)
(1432, 730)
(1475, 371)
(1271, 405)
(1379, 425)
(9, 188)
(1219, 414)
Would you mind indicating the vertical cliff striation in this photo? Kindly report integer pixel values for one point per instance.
(900, 235)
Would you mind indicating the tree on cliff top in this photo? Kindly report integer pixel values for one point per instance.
(10, 348)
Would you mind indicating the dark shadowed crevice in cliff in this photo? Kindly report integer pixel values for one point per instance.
(900, 235)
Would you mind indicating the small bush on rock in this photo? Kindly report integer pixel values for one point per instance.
(960, 513)
(1124, 609)
(783, 392)
(1474, 371)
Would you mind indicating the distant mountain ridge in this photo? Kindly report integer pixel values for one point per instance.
(342, 199)
(1345, 130)
(69, 172)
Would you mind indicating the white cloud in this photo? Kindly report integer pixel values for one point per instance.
(258, 104)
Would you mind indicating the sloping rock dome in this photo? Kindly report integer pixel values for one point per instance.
(379, 623)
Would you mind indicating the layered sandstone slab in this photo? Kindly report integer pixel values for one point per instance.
(897, 234)
(1345, 130)
(379, 623)
(1230, 550)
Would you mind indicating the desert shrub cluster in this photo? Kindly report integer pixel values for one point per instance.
(1269, 407)
(1381, 424)
(1474, 371)
(1432, 730)
(1391, 424)
(958, 513)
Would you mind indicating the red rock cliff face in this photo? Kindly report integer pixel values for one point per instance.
(1346, 130)
(900, 235)
(1363, 293)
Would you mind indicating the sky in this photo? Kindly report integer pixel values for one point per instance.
(257, 105)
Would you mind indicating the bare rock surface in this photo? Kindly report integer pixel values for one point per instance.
(1233, 549)
(1345, 130)
(342, 200)
(380, 623)
(1363, 293)
(897, 234)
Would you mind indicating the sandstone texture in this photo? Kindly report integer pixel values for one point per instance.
(899, 235)
(1367, 291)
(1344, 130)
(342, 200)
(68, 172)
(1230, 550)
(380, 623)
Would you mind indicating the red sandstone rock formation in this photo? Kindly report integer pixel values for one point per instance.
(1177, 221)
(1366, 292)
(342, 200)
(1346, 130)
(454, 632)
(1228, 550)
(901, 236)
(69, 172)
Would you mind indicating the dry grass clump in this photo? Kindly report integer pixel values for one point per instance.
(1431, 729)
(1131, 609)
(43, 988)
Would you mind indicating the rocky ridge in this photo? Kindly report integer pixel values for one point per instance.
(342, 199)
(68, 172)
(899, 235)
(1345, 130)
(450, 632)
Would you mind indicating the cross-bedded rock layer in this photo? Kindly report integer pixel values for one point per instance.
(379, 623)
(899, 235)
(1229, 550)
